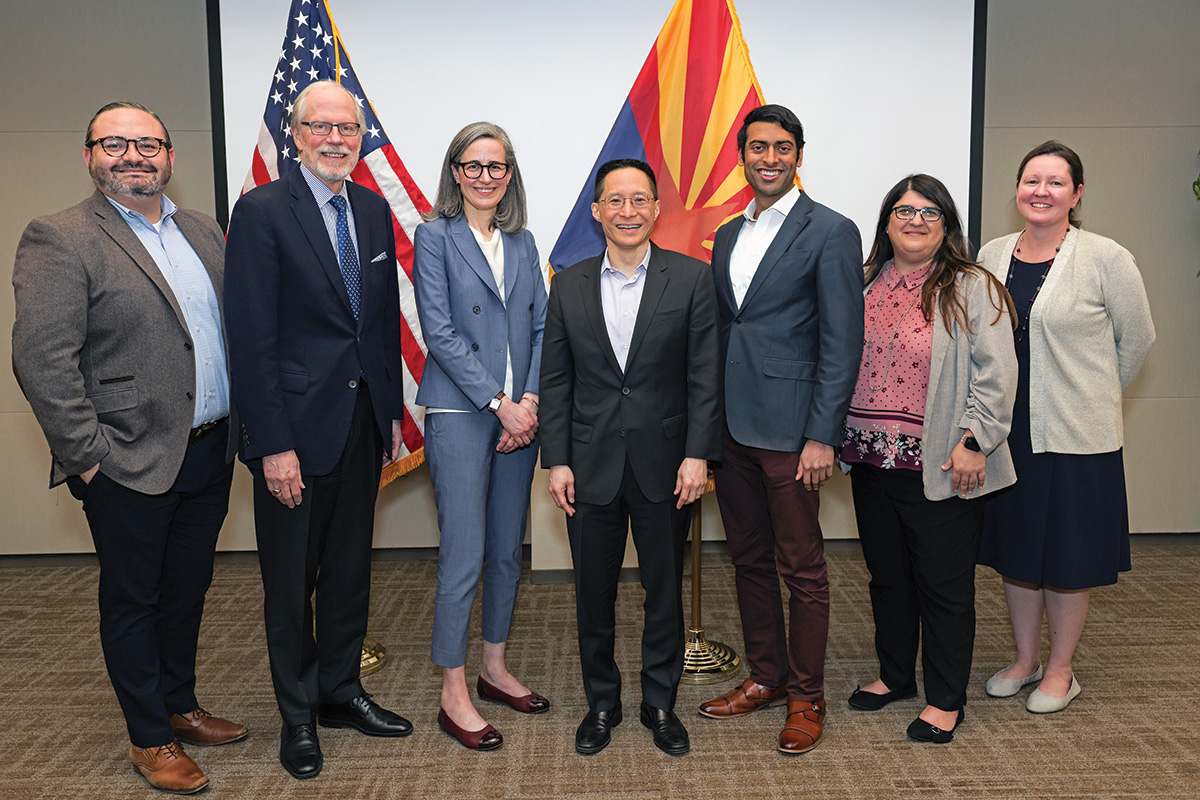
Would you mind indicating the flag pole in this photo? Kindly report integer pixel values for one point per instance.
(704, 661)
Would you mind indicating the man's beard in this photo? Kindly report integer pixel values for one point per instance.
(131, 184)
(319, 169)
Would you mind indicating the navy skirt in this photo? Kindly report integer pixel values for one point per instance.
(1065, 522)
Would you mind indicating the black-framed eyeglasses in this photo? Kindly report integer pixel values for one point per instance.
(473, 169)
(616, 203)
(347, 129)
(929, 214)
(115, 146)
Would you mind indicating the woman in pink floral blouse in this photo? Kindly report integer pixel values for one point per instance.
(925, 439)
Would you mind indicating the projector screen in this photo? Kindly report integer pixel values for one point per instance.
(883, 88)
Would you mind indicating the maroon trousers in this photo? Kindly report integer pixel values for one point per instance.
(772, 530)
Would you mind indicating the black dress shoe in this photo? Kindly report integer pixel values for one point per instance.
(866, 701)
(365, 715)
(595, 732)
(921, 731)
(669, 734)
(300, 752)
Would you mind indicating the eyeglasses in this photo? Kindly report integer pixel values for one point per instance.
(347, 129)
(638, 201)
(473, 169)
(908, 212)
(116, 146)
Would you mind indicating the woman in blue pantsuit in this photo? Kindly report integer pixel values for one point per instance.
(481, 300)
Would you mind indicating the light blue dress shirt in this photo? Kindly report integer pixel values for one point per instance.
(620, 297)
(322, 195)
(193, 289)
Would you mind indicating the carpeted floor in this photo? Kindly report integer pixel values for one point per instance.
(1134, 732)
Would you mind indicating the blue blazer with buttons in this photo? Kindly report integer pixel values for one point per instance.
(468, 330)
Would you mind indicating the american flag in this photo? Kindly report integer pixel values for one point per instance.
(313, 50)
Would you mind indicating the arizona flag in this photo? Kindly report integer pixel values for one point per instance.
(313, 50)
(681, 117)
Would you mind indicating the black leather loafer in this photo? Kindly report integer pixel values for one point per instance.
(595, 732)
(866, 701)
(669, 734)
(300, 752)
(365, 715)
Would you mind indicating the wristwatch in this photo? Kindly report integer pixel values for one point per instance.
(970, 443)
(494, 404)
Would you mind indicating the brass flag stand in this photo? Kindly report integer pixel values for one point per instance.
(374, 656)
(704, 661)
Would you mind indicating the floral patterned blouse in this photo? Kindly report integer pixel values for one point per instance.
(887, 412)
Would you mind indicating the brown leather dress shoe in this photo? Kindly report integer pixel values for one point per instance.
(168, 768)
(739, 702)
(201, 728)
(803, 729)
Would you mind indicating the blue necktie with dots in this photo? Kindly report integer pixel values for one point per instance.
(347, 257)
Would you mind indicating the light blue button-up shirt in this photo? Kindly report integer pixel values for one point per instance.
(193, 289)
(620, 298)
(322, 195)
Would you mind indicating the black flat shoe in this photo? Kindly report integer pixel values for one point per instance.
(866, 701)
(921, 731)
(300, 752)
(595, 732)
(364, 715)
(669, 734)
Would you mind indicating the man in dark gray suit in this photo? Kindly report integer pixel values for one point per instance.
(118, 347)
(789, 281)
(630, 415)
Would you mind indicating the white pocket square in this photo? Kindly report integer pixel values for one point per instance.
(379, 257)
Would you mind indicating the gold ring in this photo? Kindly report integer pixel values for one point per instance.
(275, 492)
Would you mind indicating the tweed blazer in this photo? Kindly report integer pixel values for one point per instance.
(972, 386)
(100, 346)
(1089, 332)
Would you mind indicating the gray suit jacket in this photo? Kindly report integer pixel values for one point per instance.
(100, 347)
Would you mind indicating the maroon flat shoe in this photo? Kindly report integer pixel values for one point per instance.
(532, 703)
(486, 738)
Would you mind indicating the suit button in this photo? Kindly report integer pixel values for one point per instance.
(475, 309)
(187, 345)
(531, 306)
(624, 390)
(353, 384)
(190, 396)
(474, 347)
(622, 433)
(738, 320)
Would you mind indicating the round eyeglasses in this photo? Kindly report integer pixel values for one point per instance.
(473, 169)
(638, 201)
(115, 146)
(929, 214)
(347, 129)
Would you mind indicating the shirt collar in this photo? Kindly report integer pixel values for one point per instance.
(913, 280)
(167, 207)
(321, 192)
(783, 205)
(606, 265)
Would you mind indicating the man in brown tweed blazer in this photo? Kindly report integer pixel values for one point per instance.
(118, 347)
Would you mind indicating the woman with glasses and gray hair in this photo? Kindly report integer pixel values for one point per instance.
(481, 300)
(925, 439)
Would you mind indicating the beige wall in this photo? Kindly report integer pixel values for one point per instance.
(1119, 82)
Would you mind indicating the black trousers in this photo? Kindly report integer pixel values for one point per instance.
(321, 547)
(598, 535)
(921, 555)
(156, 563)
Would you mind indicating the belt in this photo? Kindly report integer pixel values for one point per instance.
(200, 431)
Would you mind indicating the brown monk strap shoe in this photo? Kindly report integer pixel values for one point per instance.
(739, 702)
(803, 729)
(201, 728)
(168, 768)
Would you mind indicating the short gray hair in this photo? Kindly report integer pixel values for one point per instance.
(300, 105)
(511, 215)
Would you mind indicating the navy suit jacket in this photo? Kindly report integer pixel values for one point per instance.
(665, 405)
(296, 353)
(791, 350)
(468, 330)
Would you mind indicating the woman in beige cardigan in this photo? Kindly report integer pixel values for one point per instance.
(1084, 330)
(925, 441)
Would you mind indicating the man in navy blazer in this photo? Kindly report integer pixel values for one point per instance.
(314, 342)
(630, 416)
(789, 282)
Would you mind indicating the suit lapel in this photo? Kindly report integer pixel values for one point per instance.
(652, 292)
(304, 206)
(468, 248)
(512, 264)
(113, 224)
(593, 309)
(724, 248)
(795, 222)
